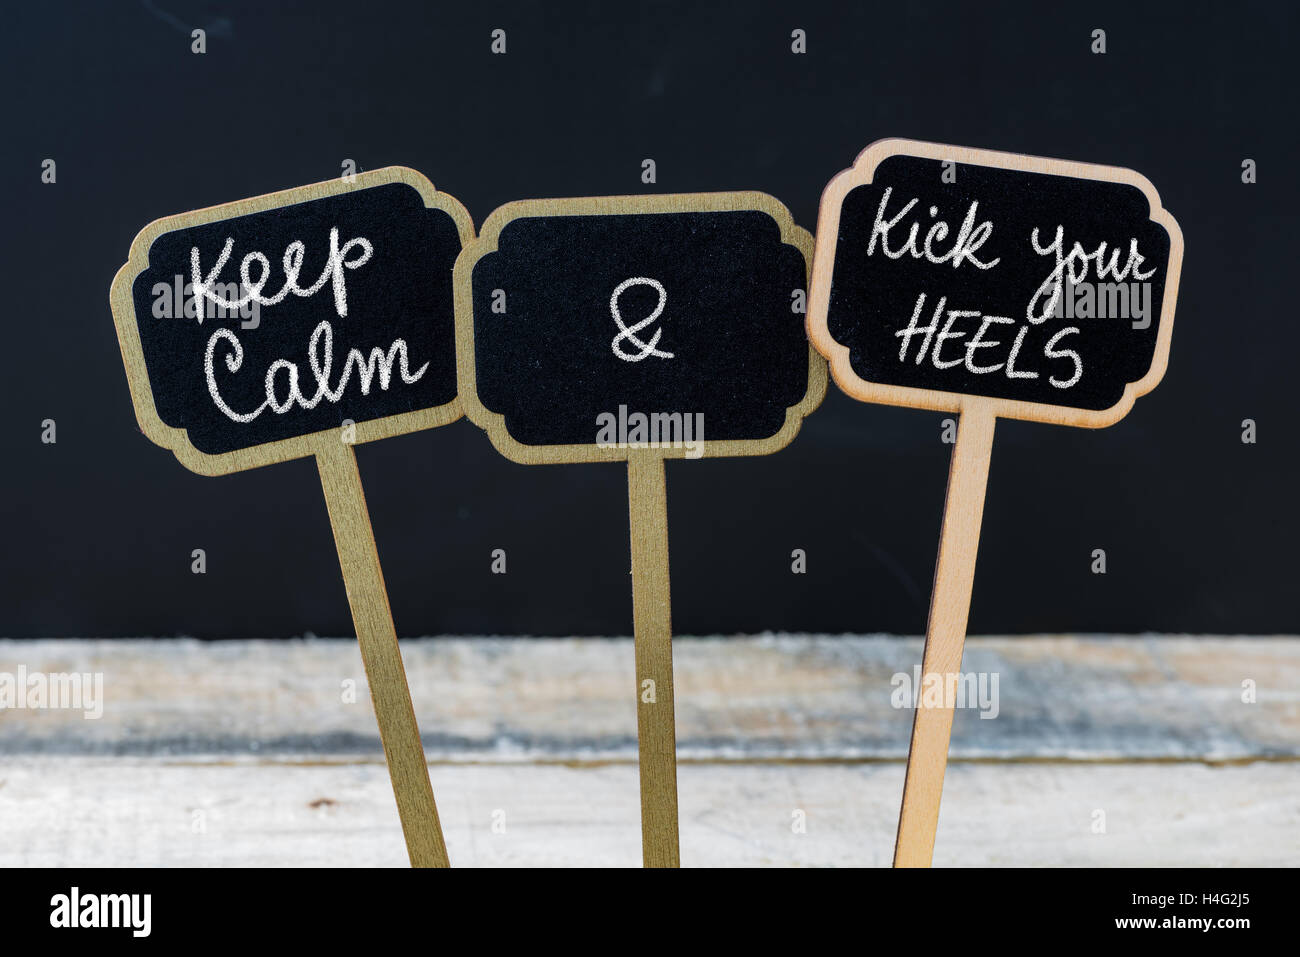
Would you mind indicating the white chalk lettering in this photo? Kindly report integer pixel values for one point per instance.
(630, 332)
(946, 326)
(970, 237)
(1073, 266)
(320, 357)
(207, 287)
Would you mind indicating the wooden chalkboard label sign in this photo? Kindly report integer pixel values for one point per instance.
(569, 309)
(636, 329)
(986, 284)
(1035, 289)
(252, 331)
(299, 324)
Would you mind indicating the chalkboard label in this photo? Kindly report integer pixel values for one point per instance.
(589, 329)
(1045, 289)
(254, 331)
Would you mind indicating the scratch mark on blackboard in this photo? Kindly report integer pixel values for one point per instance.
(220, 27)
(898, 571)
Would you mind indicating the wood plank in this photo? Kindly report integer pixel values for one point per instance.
(774, 697)
(95, 811)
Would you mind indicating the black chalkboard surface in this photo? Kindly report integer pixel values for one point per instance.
(260, 323)
(584, 321)
(952, 272)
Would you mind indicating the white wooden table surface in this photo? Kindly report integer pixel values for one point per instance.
(1104, 751)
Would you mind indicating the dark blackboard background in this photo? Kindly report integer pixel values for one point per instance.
(738, 352)
(873, 297)
(403, 290)
(1199, 529)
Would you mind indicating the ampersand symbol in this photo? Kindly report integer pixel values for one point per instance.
(630, 332)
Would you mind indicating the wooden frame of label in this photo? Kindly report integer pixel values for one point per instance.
(647, 502)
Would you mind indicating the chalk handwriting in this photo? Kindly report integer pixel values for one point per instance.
(335, 264)
(630, 332)
(1074, 266)
(940, 330)
(970, 237)
(320, 357)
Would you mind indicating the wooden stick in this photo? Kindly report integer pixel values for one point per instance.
(373, 620)
(652, 617)
(945, 634)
